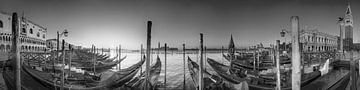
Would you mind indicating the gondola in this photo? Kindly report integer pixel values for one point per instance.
(100, 66)
(139, 82)
(27, 82)
(112, 59)
(211, 81)
(256, 83)
(88, 56)
(238, 57)
(248, 64)
(115, 80)
(39, 80)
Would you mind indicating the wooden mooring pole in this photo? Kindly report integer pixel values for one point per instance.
(184, 52)
(119, 57)
(148, 48)
(353, 71)
(16, 50)
(222, 53)
(141, 56)
(277, 53)
(158, 52)
(165, 65)
(63, 65)
(258, 59)
(201, 83)
(117, 53)
(70, 57)
(197, 54)
(205, 58)
(254, 62)
(94, 60)
(295, 57)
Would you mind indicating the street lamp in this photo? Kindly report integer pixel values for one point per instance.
(65, 33)
(282, 34)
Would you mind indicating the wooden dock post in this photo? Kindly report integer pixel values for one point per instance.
(277, 53)
(222, 53)
(165, 65)
(141, 56)
(119, 57)
(184, 52)
(63, 65)
(57, 55)
(258, 59)
(197, 54)
(158, 49)
(295, 57)
(70, 57)
(94, 59)
(205, 58)
(148, 48)
(16, 49)
(254, 64)
(117, 53)
(353, 71)
(201, 83)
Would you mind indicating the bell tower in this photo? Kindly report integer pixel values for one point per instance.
(348, 24)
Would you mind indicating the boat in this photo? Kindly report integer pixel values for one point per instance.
(100, 66)
(256, 83)
(241, 61)
(45, 80)
(139, 82)
(228, 57)
(26, 82)
(211, 81)
(86, 56)
(112, 59)
(248, 64)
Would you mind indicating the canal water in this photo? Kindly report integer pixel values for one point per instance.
(175, 66)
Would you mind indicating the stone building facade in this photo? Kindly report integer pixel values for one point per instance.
(32, 35)
(52, 45)
(312, 40)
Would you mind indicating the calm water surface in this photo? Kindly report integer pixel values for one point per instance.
(175, 66)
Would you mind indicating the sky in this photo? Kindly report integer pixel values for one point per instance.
(109, 23)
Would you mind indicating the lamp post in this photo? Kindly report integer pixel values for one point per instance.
(282, 33)
(65, 33)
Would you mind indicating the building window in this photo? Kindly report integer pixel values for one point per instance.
(23, 30)
(43, 35)
(31, 31)
(1, 24)
(38, 34)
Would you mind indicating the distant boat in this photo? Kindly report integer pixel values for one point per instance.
(100, 66)
(244, 62)
(257, 83)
